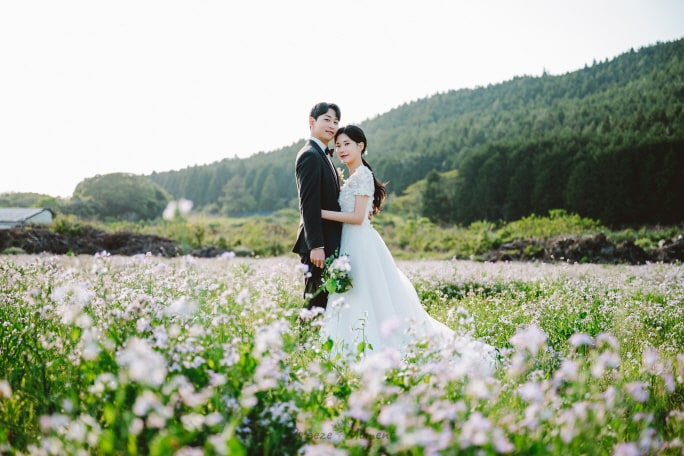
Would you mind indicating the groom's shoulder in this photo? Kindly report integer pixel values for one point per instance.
(307, 150)
(309, 145)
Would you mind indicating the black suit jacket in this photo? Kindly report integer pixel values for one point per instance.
(318, 187)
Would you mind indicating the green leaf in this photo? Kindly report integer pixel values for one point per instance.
(109, 414)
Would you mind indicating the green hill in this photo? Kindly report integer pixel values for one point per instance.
(606, 142)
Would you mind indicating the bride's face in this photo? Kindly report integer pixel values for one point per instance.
(347, 150)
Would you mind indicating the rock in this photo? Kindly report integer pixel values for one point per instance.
(208, 252)
(586, 249)
(86, 241)
(670, 251)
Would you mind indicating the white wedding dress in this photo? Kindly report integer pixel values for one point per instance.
(382, 308)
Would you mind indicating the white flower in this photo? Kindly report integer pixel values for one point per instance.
(230, 355)
(90, 348)
(54, 421)
(420, 437)
(626, 449)
(341, 263)
(568, 371)
(323, 449)
(531, 339)
(606, 360)
(76, 431)
(387, 327)
(301, 269)
(156, 420)
(531, 392)
(189, 451)
(5, 390)
(638, 391)
(266, 374)
(170, 210)
(609, 397)
(269, 338)
(501, 442)
(136, 426)
(396, 414)
(192, 422)
(144, 364)
(213, 419)
(650, 360)
(475, 430)
(83, 321)
(70, 300)
(579, 339)
(182, 308)
(608, 339)
(103, 382)
(180, 207)
(309, 314)
(184, 206)
(478, 389)
(145, 402)
(242, 297)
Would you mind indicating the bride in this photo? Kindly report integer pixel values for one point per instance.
(382, 309)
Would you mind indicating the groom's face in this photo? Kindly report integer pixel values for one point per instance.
(325, 127)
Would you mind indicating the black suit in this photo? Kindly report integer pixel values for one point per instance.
(318, 187)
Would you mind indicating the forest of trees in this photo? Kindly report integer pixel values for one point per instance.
(606, 142)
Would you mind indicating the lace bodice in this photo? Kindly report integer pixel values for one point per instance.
(359, 183)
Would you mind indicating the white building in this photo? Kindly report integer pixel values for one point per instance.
(21, 216)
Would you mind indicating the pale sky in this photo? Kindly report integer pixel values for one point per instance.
(92, 87)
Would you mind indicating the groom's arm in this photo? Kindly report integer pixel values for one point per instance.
(308, 175)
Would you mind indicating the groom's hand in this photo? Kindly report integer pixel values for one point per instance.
(317, 257)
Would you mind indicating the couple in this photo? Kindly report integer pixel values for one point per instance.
(382, 308)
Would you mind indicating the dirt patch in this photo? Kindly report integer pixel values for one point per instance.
(578, 249)
(587, 249)
(86, 240)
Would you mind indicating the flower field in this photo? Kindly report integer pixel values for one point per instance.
(144, 355)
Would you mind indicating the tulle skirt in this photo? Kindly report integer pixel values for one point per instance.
(382, 309)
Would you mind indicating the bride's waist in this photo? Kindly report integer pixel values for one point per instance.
(364, 225)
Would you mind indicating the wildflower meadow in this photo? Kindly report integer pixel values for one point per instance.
(144, 355)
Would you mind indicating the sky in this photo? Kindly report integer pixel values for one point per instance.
(95, 87)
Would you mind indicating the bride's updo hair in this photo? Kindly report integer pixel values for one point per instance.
(357, 135)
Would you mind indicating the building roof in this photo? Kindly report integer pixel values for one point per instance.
(12, 216)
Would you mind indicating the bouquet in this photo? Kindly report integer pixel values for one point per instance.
(335, 276)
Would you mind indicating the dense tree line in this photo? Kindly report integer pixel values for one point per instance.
(617, 184)
(605, 141)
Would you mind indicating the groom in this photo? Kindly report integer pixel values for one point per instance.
(318, 187)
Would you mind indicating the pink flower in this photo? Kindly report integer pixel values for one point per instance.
(638, 391)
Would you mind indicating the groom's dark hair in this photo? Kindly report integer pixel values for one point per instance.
(322, 108)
